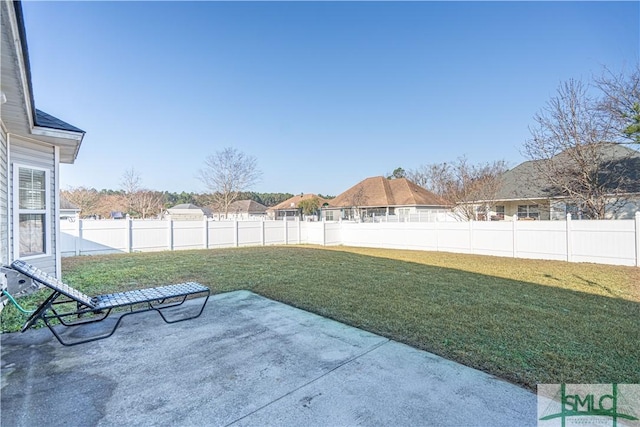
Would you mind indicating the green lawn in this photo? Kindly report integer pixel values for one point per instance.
(526, 321)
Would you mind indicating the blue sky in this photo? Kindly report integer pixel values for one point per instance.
(323, 94)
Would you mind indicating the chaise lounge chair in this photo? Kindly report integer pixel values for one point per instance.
(98, 308)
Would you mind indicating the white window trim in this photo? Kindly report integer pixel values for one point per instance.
(16, 211)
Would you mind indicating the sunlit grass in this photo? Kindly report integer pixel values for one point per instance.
(526, 321)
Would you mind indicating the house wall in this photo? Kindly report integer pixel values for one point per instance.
(4, 230)
(27, 152)
(557, 210)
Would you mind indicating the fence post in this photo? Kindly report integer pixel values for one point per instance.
(129, 234)
(78, 239)
(324, 232)
(235, 233)
(637, 239)
(299, 230)
(569, 243)
(286, 231)
(170, 234)
(514, 230)
(262, 238)
(205, 226)
(471, 236)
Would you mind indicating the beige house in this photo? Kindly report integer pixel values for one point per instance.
(32, 146)
(244, 210)
(290, 209)
(382, 197)
(188, 212)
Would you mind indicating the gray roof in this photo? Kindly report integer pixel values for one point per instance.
(186, 206)
(249, 206)
(526, 182)
(67, 205)
(48, 121)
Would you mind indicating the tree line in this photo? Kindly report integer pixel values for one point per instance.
(143, 203)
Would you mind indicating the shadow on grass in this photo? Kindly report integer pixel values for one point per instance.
(524, 332)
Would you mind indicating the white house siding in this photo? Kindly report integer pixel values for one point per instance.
(31, 153)
(4, 250)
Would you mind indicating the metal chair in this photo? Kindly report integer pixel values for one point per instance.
(100, 307)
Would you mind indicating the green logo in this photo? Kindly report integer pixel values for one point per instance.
(594, 404)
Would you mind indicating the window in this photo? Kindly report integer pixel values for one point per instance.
(31, 207)
(328, 215)
(528, 211)
(499, 212)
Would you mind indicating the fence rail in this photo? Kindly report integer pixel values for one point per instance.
(607, 241)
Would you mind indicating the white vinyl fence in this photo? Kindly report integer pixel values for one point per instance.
(606, 242)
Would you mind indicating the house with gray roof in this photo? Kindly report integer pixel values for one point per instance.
(526, 194)
(32, 146)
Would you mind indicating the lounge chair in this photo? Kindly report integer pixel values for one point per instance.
(98, 308)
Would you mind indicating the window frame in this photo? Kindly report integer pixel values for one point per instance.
(46, 212)
(529, 211)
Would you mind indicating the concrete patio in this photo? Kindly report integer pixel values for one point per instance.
(247, 361)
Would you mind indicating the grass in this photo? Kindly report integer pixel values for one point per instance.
(525, 321)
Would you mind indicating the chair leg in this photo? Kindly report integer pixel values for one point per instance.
(96, 338)
(159, 310)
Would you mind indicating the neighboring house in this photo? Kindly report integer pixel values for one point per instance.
(380, 196)
(33, 144)
(290, 209)
(524, 192)
(188, 212)
(245, 210)
(68, 211)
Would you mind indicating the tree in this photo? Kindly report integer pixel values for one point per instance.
(140, 202)
(86, 199)
(145, 203)
(470, 187)
(572, 145)
(309, 206)
(130, 183)
(227, 173)
(621, 101)
(397, 173)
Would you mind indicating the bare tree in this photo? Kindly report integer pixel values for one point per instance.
(621, 101)
(470, 187)
(147, 203)
(575, 157)
(86, 199)
(226, 174)
(358, 199)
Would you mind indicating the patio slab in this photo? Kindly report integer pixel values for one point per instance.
(247, 361)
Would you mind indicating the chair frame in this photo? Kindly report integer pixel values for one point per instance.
(137, 301)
